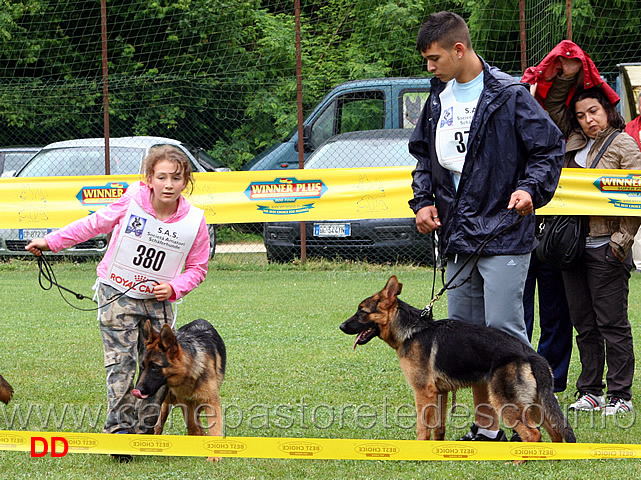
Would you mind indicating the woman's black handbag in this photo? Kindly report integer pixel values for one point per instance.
(563, 240)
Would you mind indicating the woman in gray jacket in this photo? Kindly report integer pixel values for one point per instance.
(597, 289)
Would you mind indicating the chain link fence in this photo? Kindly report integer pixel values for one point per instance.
(219, 78)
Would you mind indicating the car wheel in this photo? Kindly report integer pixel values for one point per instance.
(280, 254)
(212, 240)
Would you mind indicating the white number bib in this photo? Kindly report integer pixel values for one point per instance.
(453, 130)
(150, 249)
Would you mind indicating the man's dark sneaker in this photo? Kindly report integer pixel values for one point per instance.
(122, 457)
(474, 435)
(474, 429)
(517, 438)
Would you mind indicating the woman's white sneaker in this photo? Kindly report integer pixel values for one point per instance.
(617, 405)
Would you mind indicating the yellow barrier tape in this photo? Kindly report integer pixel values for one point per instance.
(308, 448)
(295, 195)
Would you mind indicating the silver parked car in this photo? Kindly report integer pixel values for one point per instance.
(12, 159)
(87, 157)
(375, 240)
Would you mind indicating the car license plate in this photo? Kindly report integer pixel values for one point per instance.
(332, 230)
(31, 233)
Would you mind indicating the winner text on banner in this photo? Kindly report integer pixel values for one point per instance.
(295, 195)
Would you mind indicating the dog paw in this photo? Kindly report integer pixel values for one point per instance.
(214, 459)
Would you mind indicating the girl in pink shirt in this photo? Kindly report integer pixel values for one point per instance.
(158, 252)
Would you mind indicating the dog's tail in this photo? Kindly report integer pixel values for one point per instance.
(6, 390)
(554, 422)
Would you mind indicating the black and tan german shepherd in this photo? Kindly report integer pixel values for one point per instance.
(191, 363)
(6, 390)
(440, 356)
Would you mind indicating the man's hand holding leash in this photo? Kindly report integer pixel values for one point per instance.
(522, 201)
(427, 219)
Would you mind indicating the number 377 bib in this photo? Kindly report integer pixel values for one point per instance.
(453, 130)
(150, 251)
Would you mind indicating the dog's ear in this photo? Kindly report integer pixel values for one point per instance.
(392, 288)
(149, 334)
(167, 338)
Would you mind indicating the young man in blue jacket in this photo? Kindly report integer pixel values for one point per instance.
(487, 155)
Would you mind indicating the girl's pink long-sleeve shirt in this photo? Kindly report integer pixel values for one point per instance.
(109, 219)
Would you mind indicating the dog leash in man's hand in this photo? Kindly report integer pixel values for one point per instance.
(427, 311)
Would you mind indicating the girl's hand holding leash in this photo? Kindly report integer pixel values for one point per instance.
(37, 246)
(163, 291)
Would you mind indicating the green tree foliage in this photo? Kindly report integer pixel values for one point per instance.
(222, 74)
(216, 74)
(609, 30)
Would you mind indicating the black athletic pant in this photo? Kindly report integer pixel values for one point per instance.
(597, 294)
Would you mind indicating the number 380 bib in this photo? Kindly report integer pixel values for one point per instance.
(149, 251)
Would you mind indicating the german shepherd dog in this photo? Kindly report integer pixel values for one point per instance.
(440, 356)
(6, 390)
(191, 363)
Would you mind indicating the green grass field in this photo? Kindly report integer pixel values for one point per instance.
(285, 353)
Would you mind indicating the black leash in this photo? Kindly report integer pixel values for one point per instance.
(436, 258)
(427, 311)
(45, 272)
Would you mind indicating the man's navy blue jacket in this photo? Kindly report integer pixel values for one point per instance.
(512, 145)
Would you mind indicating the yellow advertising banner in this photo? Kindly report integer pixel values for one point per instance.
(295, 195)
(596, 192)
